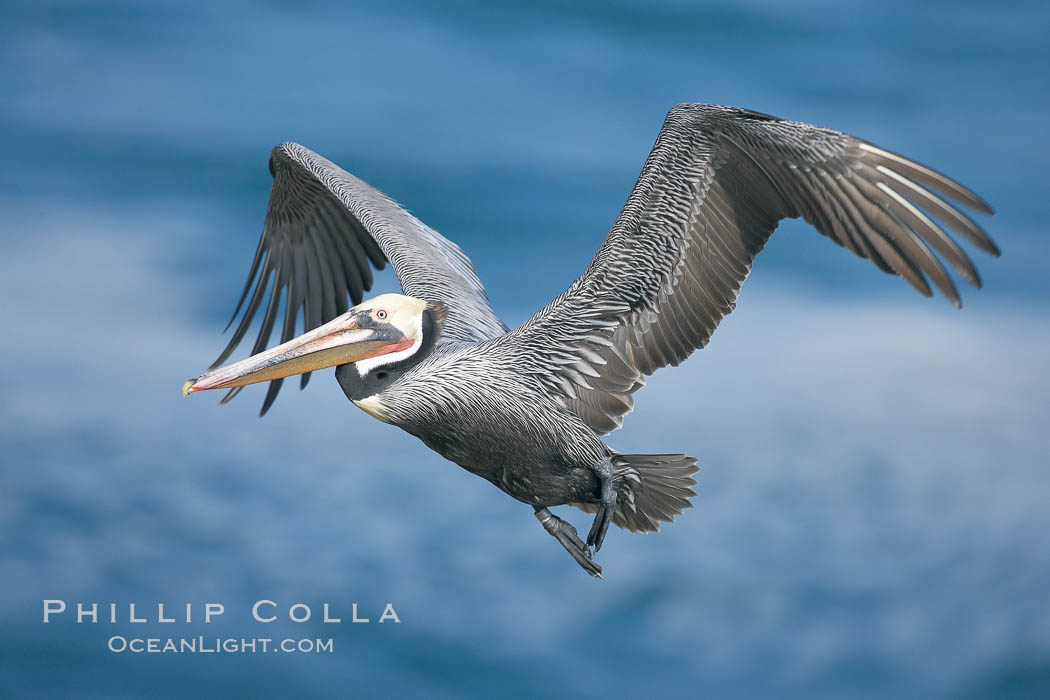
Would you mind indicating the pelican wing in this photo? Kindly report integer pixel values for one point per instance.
(715, 186)
(324, 231)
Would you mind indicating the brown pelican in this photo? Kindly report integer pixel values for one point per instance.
(526, 408)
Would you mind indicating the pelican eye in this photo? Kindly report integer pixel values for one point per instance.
(381, 314)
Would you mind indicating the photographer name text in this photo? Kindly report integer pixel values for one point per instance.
(264, 611)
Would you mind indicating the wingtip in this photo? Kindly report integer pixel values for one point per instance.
(266, 406)
(230, 394)
(979, 204)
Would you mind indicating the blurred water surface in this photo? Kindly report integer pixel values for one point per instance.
(872, 512)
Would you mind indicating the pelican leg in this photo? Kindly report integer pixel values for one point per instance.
(566, 535)
(606, 507)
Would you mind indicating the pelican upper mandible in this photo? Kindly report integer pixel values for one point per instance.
(526, 408)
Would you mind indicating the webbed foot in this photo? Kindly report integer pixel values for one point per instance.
(566, 535)
(606, 507)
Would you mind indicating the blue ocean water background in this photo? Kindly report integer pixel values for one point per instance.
(873, 505)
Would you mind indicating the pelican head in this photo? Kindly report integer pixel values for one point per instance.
(391, 329)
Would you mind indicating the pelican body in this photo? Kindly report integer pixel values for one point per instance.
(526, 408)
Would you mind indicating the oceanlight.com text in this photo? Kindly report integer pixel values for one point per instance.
(218, 645)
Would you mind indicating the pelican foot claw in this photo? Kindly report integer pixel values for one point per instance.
(570, 540)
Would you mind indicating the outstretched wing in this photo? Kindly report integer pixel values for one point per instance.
(324, 231)
(715, 186)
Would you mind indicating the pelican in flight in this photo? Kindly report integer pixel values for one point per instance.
(526, 408)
